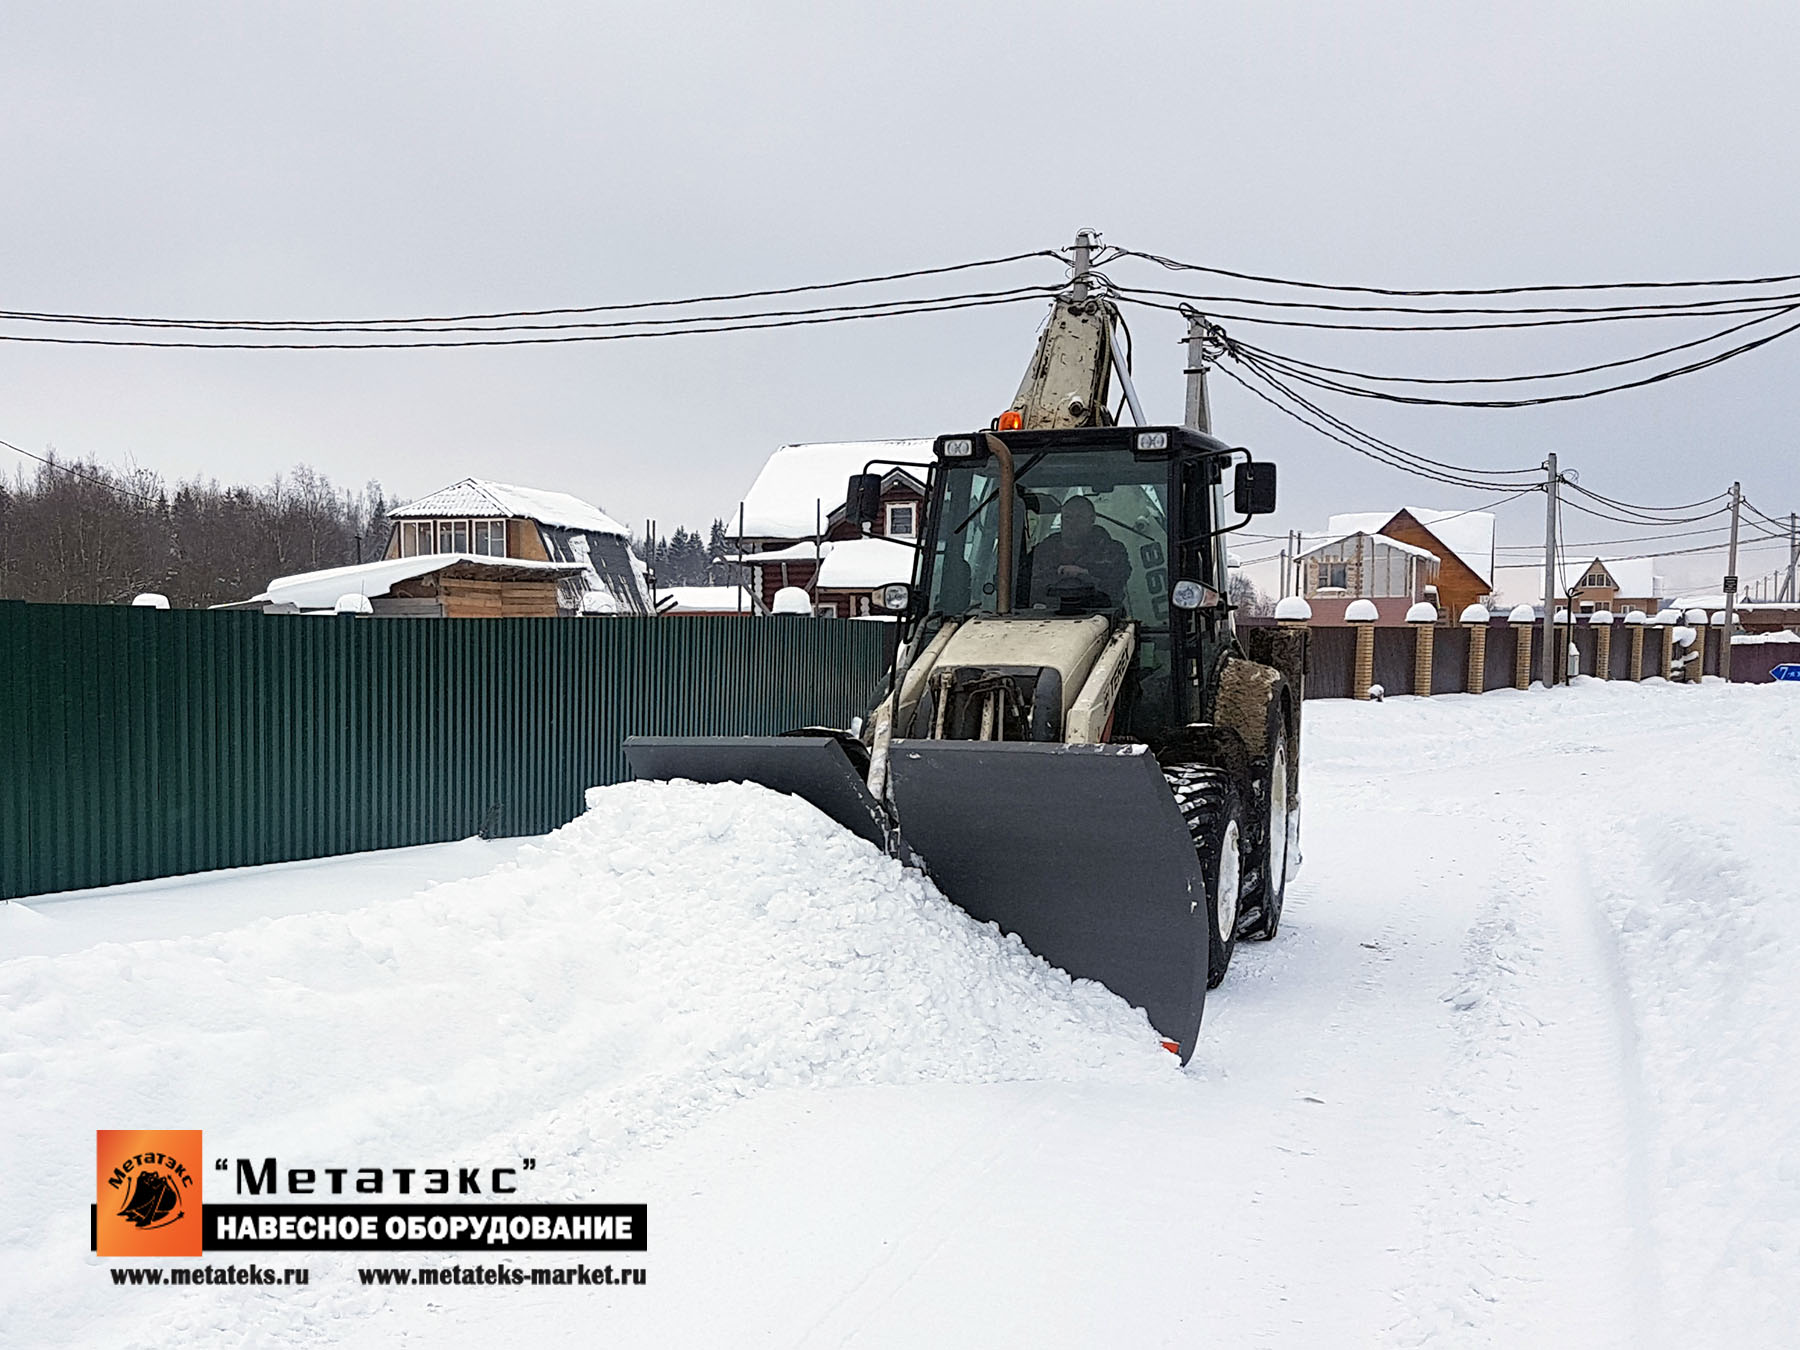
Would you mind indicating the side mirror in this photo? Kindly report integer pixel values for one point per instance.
(1254, 491)
(862, 504)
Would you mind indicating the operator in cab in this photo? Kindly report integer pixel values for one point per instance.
(1080, 563)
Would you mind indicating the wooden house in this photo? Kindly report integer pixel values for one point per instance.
(433, 586)
(480, 519)
(792, 521)
(1461, 541)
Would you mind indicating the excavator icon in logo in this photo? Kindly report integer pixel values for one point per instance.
(153, 1202)
(147, 1193)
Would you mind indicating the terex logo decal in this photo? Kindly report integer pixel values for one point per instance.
(147, 1186)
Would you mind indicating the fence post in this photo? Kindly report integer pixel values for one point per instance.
(1294, 616)
(1361, 614)
(1476, 617)
(1693, 665)
(1666, 619)
(1725, 632)
(1602, 622)
(1635, 620)
(1522, 621)
(1422, 618)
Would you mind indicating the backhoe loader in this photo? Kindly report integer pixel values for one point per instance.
(1075, 743)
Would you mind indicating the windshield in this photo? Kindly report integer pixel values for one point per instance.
(1091, 529)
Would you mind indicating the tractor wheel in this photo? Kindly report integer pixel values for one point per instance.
(1275, 837)
(1209, 804)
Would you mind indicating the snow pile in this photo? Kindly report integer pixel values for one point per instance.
(672, 950)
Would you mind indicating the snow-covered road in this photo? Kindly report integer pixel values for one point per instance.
(1515, 1073)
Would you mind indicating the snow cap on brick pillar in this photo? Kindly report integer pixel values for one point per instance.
(1423, 619)
(1362, 613)
(1475, 619)
(1521, 620)
(1293, 609)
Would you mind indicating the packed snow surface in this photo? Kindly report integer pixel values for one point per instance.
(1516, 1072)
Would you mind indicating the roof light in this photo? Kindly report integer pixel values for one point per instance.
(1153, 440)
(959, 448)
(1012, 420)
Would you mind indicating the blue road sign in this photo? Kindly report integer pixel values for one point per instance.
(1787, 672)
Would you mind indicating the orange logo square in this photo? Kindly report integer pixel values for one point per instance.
(147, 1193)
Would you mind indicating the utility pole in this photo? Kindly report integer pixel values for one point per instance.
(1731, 583)
(1084, 247)
(1547, 662)
(1793, 557)
(1199, 410)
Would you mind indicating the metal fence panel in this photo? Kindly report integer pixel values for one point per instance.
(139, 743)
(1450, 661)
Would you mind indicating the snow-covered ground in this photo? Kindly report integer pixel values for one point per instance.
(1515, 1073)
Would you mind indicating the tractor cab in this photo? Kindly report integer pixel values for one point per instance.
(1119, 525)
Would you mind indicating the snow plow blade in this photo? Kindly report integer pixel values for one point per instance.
(1080, 850)
(813, 768)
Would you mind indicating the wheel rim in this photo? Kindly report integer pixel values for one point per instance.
(1227, 902)
(1278, 818)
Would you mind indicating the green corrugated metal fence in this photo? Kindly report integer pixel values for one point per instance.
(141, 743)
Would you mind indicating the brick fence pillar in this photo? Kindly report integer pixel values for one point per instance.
(1362, 615)
(1475, 618)
(1635, 622)
(1422, 619)
(1522, 621)
(1602, 623)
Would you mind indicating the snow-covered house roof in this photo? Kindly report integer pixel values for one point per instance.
(476, 497)
(1634, 576)
(865, 564)
(706, 600)
(804, 551)
(1469, 535)
(321, 589)
(801, 485)
(1399, 545)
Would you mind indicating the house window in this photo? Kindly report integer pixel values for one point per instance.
(486, 537)
(1334, 574)
(825, 611)
(901, 518)
(1595, 580)
(490, 538)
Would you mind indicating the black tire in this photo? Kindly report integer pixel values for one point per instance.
(1214, 814)
(1275, 802)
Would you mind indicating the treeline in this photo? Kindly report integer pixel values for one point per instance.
(684, 559)
(77, 532)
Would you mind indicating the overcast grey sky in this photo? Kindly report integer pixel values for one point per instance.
(317, 159)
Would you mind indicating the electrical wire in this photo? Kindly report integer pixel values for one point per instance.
(1142, 297)
(1294, 361)
(896, 309)
(1356, 391)
(1174, 265)
(84, 477)
(329, 325)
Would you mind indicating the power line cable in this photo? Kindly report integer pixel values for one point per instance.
(84, 477)
(1174, 265)
(618, 307)
(1356, 391)
(898, 309)
(1294, 361)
